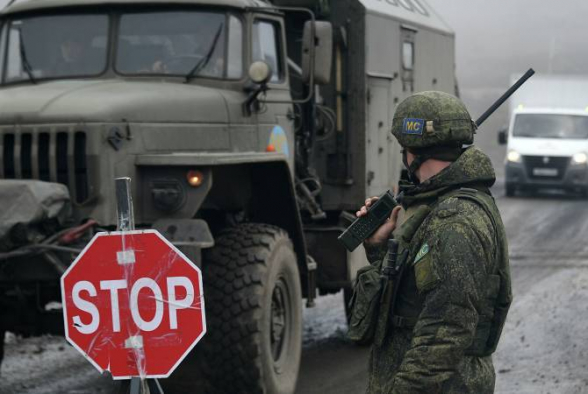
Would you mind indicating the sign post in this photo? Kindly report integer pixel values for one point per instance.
(126, 222)
(133, 302)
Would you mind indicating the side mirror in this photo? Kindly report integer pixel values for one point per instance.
(502, 136)
(260, 72)
(320, 64)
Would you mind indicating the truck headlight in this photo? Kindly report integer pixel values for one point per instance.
(168, 195)
(580, 158)
(513, 156)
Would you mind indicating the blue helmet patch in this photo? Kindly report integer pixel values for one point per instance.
(413, 126)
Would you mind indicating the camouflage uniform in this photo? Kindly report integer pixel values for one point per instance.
(437, 338)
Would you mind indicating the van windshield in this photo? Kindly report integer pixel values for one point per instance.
(551, 126)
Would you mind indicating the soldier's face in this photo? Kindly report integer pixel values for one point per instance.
(409, 157)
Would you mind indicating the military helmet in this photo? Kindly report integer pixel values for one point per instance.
(432, 119)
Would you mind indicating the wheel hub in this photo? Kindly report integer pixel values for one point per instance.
(279, 319)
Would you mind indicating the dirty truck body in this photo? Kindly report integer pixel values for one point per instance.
(254, 181)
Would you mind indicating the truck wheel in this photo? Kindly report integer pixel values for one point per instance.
(510, 190)
(254, 312)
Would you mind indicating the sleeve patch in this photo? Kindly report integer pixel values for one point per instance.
(426, 274)
(422, 253)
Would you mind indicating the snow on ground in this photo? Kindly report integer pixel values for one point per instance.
(47, 365)
(544, 348)
(325, 321)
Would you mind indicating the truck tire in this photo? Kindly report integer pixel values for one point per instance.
(254, 312)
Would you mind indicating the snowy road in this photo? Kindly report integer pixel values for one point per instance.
(544, 348)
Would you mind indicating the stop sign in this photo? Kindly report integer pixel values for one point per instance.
(133, 305)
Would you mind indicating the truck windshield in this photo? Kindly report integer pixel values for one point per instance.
(187, 43)
(551, 126)
(56, 46)
(180, 43)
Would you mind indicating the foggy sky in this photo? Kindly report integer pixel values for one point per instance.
(496, 38)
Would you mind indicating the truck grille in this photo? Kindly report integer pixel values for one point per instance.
(47, 156)
(546, 167)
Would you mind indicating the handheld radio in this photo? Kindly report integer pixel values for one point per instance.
(365, 226)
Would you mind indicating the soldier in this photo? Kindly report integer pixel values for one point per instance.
(76, 57)
(453, 291)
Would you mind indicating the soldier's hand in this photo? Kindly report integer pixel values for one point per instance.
(383, 233)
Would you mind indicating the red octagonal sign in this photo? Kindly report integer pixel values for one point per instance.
(133, 304)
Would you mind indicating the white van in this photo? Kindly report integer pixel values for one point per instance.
(548, 136)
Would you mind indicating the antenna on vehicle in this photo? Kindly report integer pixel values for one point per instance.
(505, 97)
(9, 3)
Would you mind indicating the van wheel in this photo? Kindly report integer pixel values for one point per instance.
(510, 190)
(254, 312)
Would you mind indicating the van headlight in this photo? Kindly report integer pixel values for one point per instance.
(513, 156)
(580, 158)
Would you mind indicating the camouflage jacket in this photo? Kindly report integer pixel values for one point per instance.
(427, 346)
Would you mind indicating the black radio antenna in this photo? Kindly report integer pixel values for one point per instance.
(505, 97)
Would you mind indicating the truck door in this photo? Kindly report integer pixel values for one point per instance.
(383, 151)
(276, 130)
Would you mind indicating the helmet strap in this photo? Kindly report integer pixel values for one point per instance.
(445, 153)
(413, 167)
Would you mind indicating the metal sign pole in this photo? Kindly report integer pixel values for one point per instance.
(126, 222)
(124, 205)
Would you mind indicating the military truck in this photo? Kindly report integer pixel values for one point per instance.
(252, 131)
